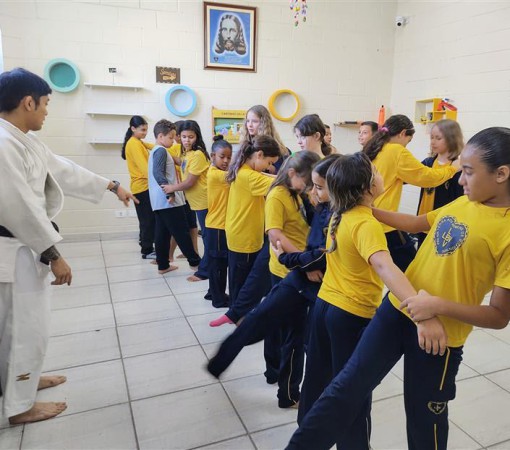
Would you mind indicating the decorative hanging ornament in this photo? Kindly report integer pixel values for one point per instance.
(298, 7)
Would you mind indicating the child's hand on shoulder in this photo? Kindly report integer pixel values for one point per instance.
(422, 306)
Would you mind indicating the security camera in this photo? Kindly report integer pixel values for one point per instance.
(400, 21)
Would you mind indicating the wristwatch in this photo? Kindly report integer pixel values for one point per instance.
(115, 187)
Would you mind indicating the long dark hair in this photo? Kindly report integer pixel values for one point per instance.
(136, 121)
(348, 179)
(191, 125)
(302, 163)
(266, 144)
(392, 127)
(321, 167)
(311, 124)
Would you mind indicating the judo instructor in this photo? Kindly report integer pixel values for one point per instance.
(33, 181)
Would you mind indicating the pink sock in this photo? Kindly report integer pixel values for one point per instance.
(220, 321)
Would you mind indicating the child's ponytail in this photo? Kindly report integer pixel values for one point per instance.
(392, 127)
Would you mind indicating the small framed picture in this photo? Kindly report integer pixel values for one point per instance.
(230, 37)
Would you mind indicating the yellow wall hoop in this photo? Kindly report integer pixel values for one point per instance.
(272, 101)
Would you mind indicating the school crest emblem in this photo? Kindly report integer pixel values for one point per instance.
(449, 236)
(437, 407)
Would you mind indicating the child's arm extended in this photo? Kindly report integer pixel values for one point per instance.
(276, 235)
(494, 315)
(403, 222)
(183, 186)
(303, 261)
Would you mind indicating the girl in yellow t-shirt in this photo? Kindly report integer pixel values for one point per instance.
(244, 223)
(397, 165)
(358, 262)
(195, 164)
(136, 153)
(310, 133)
(217, 198)
(446, 143)
(465, 255)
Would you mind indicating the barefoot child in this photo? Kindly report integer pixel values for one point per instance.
(168, 208)
(217, 198)
(465, 255)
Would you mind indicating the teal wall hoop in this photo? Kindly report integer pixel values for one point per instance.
(172, 109)
(62, 75)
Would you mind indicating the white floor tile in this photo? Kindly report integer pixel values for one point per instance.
(75, 249)
(106, 428)
(197, 417)
(481, 410)
(179, 285)
(501, 378)
(477, 357)
(166, 372)
(81, 348)
(124, 259)
(194, 304)
(155, 337)
(207, 334)
(501, 446)
(10, 438)
(87, 277)
(86, 262)
(256, 403)
(272, 438)
(135, 272)
(88, 387)
(503, 334)
(63, 297)
(249, 362)
(77, 320)
(390, 386)
(120, 246)
(134, 290)
(240, 443)
(146, 310)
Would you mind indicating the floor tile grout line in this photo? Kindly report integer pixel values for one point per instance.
(122, 360)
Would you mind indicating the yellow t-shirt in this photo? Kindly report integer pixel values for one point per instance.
(397, 165)
(176, 152)
(137, 158)
(350, 282)
(217, 198)
(283, 214)
(244, 224)
(465, 254)
(195, 163)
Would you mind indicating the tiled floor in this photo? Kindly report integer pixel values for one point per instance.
(133, 345)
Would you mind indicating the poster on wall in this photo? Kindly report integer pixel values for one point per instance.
(230, 37)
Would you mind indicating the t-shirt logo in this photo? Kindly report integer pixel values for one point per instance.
(449, 236)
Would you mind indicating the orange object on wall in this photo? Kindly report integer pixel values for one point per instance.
(382, 116)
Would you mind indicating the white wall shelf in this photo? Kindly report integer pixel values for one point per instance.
(104, 113)
(114, 86)
(105, 141)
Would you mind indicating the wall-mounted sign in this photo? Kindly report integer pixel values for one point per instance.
(168, 75)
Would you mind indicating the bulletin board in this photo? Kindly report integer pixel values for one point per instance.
(229, 123)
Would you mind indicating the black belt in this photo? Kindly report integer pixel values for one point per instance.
(4, 232)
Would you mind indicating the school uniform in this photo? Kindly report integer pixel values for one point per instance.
(465, 254)
(286, 213)
(170, 217)
(397, 165)
(244, 225)
(434, 198)
(350, 293)
(137, 158)
(195, 163)
(285, 306)
(217, 199)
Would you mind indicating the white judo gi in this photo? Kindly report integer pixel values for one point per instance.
(32, 183)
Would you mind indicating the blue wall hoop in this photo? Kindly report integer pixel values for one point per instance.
(172, 109)
(62, 75)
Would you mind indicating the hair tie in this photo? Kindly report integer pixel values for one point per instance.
(384, 129)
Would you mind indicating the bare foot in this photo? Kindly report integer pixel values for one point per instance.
(154, 262)
(181, 256)
(170, 269)
(194, 278)
(50, 381)
(40, 411)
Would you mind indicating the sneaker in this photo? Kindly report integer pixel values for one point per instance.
(288, 404)
(149, 256)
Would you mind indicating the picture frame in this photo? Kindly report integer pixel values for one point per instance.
(230, 37)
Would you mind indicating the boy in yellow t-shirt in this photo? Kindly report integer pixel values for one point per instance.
(217, 198)
(465, 255)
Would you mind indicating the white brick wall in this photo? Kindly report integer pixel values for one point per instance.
(340, 62)
(460, 50)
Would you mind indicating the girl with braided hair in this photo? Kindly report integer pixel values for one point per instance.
(358, 262)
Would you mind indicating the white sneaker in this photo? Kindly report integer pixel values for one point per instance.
(150, 256)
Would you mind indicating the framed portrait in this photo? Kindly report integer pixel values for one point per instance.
(230, 37)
